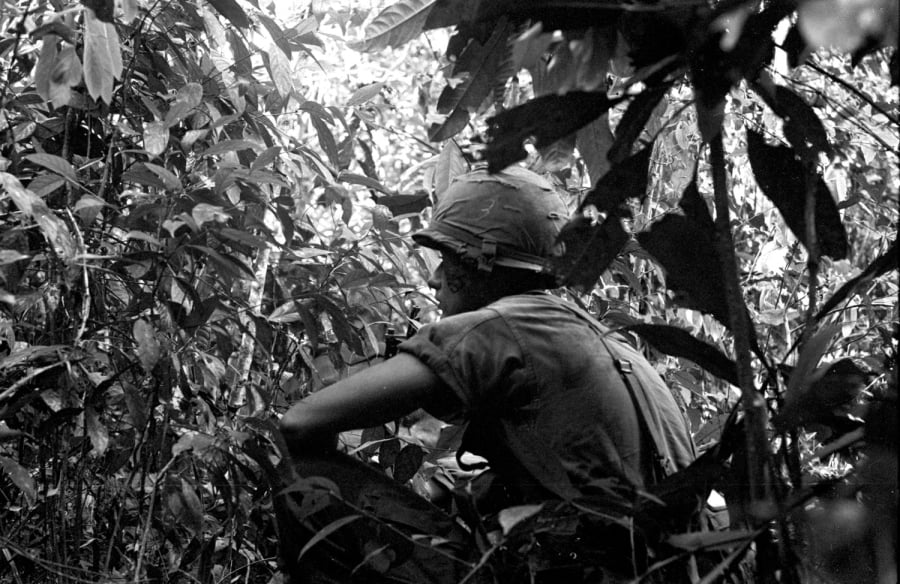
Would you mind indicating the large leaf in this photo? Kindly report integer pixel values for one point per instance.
(880, 266)
(450, 164)
(633, 121)
(20, 477)
(479, 65)
(546, 119)
(102, 57)
(231, 10)
(55, 164)
(396, 25)
(828, 389)
(802, 127)
(693, 269)
(148, 347)
(626, 180)
(279, 66)
(785, 181)
(695, 208)
(680, 343)
(587, 249)
(593, 142)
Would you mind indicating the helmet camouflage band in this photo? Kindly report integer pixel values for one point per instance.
(510, 218)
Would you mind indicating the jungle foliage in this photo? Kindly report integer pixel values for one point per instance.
(203, 222)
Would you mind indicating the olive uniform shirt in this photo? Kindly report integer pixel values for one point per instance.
(543, 400)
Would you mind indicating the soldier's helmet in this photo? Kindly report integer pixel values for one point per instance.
(510, 219)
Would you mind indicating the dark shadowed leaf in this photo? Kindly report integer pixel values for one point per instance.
(680, 343)
(880, 266)
(232, 11)
(326, 531)
(20, 477)
(802, 127)
(396, 25)
(405, 204)
(710, 540)
(785, 180)
(278, 36)
(594, 141)
(479, 65)
(587, 249)
(408, 462)
(693, 270)
(546, 119)
(388, 452)
(829, 388)
(450, 164)
(626, 180)
(633, 121)
(695, 208)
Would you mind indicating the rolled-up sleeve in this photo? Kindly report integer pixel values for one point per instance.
(474, 354)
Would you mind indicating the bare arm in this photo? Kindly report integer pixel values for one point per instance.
(381, 393)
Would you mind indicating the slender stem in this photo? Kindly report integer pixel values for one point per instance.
(753, 403)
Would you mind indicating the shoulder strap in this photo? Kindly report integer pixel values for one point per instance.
(662, 463)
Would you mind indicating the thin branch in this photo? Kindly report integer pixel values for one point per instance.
(753, 403)
(854, 90)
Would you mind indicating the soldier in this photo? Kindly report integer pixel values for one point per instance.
(561, 410)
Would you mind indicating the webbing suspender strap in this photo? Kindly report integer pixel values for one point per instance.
(662, 463)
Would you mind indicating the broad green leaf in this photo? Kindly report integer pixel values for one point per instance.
(810, 354)
(280, 70)
(231, 10)
(20, 477)
(185, 505)
(204, 212)
(625, 180)
(692, 266)
(680, 343)
(66, 74)
(634, 120)
(88, 207)
(148, 348)
(102, 57)
(710, 540)
(546, 119)
(287, 312)
(879, 266)
(45, 64)
(11, 256)
(408, 462)
(512, 516)
(96, 431)
(450, 164)
(364, 94)
(479, 66)
(396, 25)
(362, 180)
(156, 138)
(276, 34)
(802, 126)
(44, 184)
(189, 97)
(785, 181)
(593, 142)
(53, 228)
(822, 398)
(230, 146)
(169, 180)
(54, 164)
(136, 404)
(326, 531)
(588, 248)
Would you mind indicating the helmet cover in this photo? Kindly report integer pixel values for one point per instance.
(510, 218)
